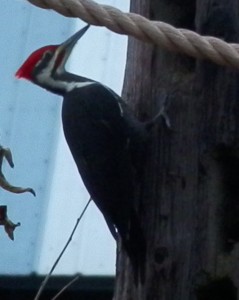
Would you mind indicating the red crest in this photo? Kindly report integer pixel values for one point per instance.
(25, 71)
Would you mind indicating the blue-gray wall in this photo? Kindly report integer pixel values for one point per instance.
(29, 125)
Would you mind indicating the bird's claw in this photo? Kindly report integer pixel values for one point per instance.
(161, 114)
(9, 226)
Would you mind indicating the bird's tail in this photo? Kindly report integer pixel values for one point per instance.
(134, 244)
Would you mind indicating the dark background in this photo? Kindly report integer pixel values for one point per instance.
(26, 287)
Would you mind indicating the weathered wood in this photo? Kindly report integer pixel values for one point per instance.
(189, 197)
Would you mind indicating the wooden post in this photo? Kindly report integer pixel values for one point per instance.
(189, 200)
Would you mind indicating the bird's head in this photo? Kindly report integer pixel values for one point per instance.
(48, 61)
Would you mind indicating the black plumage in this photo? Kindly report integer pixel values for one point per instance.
(105, 139)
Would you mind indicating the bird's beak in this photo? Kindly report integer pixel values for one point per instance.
(66, 48)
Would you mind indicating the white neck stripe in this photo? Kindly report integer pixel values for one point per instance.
(45, 79)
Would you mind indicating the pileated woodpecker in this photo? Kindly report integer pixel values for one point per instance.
(104, 138)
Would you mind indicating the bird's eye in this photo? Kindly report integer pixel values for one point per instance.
(46, 56)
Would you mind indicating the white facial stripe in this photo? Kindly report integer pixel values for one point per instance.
(45, 78)
(78, 85)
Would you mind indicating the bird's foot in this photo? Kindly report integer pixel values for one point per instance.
(162, 114)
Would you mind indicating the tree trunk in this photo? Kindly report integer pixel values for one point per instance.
(189, 197)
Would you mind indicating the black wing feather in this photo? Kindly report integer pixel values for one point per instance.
(102, 134)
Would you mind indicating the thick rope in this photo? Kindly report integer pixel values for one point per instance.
(159, 33)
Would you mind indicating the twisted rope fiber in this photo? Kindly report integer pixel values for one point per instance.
(159, 33)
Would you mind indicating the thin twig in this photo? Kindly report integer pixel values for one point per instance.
(44, 282)
(66, 286)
